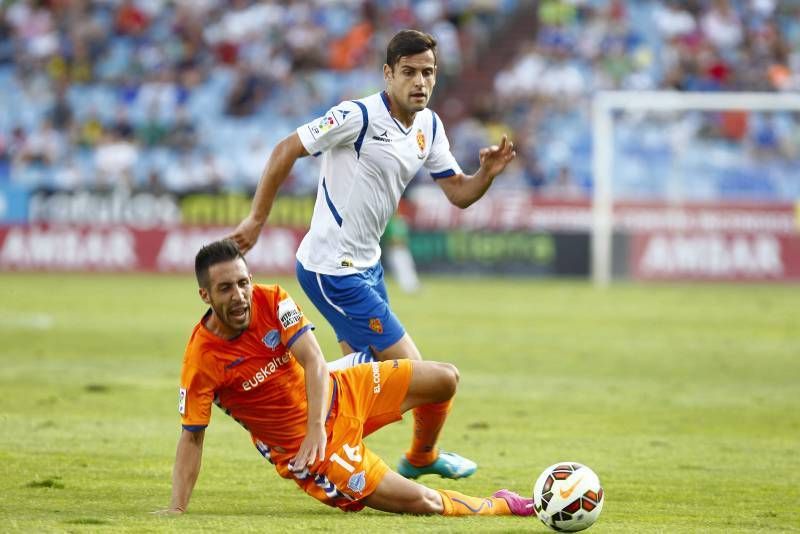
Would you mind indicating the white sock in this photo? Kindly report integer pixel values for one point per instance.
(351, 360)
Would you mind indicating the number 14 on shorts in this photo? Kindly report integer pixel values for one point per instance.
(353, 454)
(357, 481)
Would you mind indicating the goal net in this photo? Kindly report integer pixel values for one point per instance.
(695, 186)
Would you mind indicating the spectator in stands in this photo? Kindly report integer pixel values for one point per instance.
(90, 131)
(722, 26)
(183, 134)
(130, 20)
(61, 113)
(122, 125)
(44, 147)
(152, 131)
(246, 94)
(672, 20)
(563, 185)
(114, 160)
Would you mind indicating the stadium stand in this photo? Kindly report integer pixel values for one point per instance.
(191, 95)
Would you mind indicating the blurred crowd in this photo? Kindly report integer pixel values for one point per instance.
(190, 95)
(698, 45)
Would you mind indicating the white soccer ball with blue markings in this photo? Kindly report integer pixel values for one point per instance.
(568, 497)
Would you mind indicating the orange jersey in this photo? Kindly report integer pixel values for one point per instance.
(253, 377)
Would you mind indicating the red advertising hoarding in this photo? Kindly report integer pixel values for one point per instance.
(714, 256)
(710, 241)
(120, 248)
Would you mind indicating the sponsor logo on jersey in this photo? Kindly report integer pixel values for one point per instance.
(182, 401)
(376, 377)
(272, 338)
(346, 262)
(265, 371)
(421, 143)
(343, 112)
(375, 325)
(383, 138)
(357, 482)
(288, 313)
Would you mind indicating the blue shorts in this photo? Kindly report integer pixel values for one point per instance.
(356, 306)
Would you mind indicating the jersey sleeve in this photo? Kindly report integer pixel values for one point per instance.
(293, 322)
(198, 387)
(440, 161)
(341, 125)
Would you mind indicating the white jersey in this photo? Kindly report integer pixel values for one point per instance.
(368, 159)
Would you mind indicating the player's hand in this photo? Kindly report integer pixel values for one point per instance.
(312, 449)
(495, 158)
(247, 233)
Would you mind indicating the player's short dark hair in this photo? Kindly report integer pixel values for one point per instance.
(409, 43)
(213, 253)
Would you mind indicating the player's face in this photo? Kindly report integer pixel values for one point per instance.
(410, 83)
(230, 295)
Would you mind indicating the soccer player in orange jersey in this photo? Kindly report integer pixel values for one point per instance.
(254, 355)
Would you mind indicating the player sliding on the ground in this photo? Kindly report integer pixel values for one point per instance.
(254, 355)
(371, 149)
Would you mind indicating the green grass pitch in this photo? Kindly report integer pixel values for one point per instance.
(685, 399)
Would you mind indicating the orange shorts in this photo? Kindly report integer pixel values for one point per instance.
(367, 397)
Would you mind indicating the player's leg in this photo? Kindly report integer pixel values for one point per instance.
(357, 307)
(402, 349)
(428, 389)
(430, 393)
(399, 495)
(349, 360)
(430, 381)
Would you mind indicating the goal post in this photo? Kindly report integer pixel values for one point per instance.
(606, 103)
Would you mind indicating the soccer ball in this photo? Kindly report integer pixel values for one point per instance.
(568, 497)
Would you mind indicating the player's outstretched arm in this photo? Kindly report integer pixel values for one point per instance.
(462, 190)
(187, 468)
(275, 172)
(309, 354)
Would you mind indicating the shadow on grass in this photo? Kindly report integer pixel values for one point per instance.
(87, 521)
(53, 482)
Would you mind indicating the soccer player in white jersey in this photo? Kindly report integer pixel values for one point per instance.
(371, 149)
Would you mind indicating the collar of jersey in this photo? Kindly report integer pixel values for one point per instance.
(388, 105)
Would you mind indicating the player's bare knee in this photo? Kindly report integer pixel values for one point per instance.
(449, 378)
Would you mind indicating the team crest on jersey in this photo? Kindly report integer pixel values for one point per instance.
(375, 325)
(357, 482)
(272, 338)
(421, 142)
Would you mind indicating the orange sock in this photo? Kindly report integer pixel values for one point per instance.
(428, 422)
(456, 503)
